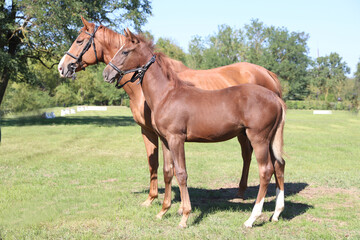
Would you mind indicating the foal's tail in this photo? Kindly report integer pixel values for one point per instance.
(278, 141)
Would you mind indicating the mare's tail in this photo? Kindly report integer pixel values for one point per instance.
(278, 140)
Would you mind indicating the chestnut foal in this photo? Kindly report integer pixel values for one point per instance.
(99, 44)
(181, 112)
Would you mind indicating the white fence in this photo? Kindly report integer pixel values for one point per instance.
(67, 111)
(322, 112)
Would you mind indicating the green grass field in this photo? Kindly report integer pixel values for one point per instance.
(84, 176)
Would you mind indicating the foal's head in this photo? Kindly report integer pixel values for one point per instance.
(134, 53)
(82, 52)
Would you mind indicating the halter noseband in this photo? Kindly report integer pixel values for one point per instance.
(78, 59)
(138, 72)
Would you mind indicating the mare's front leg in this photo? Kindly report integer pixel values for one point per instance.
(176, 146)
(151, 145)
(168, 175)
(246, 151)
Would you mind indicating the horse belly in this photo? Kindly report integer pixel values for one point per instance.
(213, 129)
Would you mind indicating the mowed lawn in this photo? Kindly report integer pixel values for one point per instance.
(84, 176)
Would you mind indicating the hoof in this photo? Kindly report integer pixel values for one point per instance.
(159, 216)
(182, 226)
(248, 224)
(240, 194)
(274, 219)
(148, 202)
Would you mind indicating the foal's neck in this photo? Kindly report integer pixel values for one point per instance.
(156, 85)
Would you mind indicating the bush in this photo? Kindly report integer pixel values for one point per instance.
(24, 97)
(320, 105)
(65, 96)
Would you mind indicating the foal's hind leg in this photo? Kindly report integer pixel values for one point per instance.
(266, 169)
(280, 198)
(168, 175)
(246, 151)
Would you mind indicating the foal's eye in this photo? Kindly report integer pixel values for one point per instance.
(125, 52)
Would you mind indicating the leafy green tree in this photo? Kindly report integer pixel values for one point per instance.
(256, 36)
(355, 96)
(44, 30)
(226, 47)
(357, 75)
(329, 74)
(286, 55)
(196, 51)
(223, 48)
(170, 49)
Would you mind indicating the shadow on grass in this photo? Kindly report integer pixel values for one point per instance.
(108, 121)
(224, 199)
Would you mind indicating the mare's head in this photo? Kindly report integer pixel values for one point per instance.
(85, 50)
(134, 53)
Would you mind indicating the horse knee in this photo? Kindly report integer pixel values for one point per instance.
(181, 177)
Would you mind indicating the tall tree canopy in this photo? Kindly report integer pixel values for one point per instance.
(277, 49)
(42, 30)
(329, 73)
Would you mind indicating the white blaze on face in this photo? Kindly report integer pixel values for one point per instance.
(61, 67)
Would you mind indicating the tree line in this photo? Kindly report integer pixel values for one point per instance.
(279, 50)
(33, 38)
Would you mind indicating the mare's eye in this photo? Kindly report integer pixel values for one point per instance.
(125, 52)
(80, 41)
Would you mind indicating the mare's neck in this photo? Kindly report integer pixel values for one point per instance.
(111, 43)
(156, 85)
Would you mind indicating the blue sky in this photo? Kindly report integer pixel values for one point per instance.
(333, 26)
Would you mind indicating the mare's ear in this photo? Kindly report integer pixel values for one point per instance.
(87, 24)
(132, 37)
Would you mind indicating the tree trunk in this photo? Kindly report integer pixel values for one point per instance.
(4, 80)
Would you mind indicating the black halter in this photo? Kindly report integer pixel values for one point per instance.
(78, 59)
(138, 72)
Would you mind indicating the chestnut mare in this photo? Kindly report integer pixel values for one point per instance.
(183, 113)
(107, 43)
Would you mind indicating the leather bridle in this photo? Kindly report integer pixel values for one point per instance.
(138, 72)
(78, 59)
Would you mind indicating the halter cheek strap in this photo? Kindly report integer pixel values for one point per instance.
(139, 73)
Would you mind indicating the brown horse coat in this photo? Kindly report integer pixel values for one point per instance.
(108, 42)
(184, 113)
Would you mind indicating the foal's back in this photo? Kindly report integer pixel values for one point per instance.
(218, 115)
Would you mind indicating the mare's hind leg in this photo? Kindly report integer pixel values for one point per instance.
(266, 169)
(151, 145)
(246, 151)
(280, 198)
(168, 175)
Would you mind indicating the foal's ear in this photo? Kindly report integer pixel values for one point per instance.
(132, 37)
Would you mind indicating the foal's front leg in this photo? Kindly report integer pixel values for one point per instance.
(168, 175)
(151, 145)
(176, 146)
